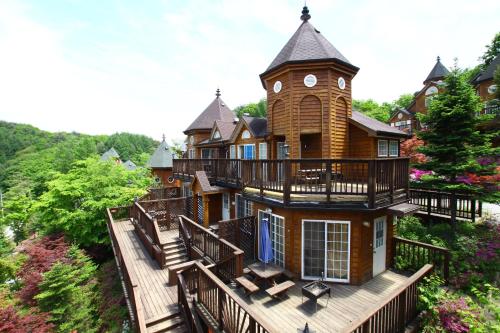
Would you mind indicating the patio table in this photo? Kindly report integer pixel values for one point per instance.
(266, 272)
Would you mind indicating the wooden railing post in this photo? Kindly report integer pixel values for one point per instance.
(328, 180)
(220, 299)
(372, 180)
(446, 267)
(473, 209)
(287, 181)
(403, 307)
(392, 175)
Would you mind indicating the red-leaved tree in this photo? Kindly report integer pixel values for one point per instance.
(409, 148)
(11, 322)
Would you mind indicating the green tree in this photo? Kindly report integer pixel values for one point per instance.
(492, 50)
(381, 112)
(76, 202)
(17, 206)
(404, 101)
(258, 109)
(452, 140)
(176, 147)
(68, 293)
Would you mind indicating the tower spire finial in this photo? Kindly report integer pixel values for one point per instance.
(305, 13)
(163, 136)
(438, 58)
(217, 93)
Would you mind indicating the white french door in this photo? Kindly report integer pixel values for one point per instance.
(326, 250)
(379, 244)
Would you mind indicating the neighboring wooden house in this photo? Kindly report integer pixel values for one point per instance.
(486, 88)
(161, 165)
(201, 128)
(326, 177)
(216, 145)
(406, 120)
(111, 155)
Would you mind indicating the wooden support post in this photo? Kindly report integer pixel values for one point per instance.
(392, 175)
(328, 180)
(473, 210)
(220, 298)
(372, 179)
(261, 181)
(287, 182)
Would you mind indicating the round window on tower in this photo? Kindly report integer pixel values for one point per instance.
(492, 89)
(341, 83)
(277, 86)
(310, 80)
(170, 179)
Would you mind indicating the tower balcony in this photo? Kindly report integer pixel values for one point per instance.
(320, 183)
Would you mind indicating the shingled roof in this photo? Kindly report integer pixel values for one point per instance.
(307, 44)
(225, 129)
(438, 71)
(258, 126)
(217, 110)
(162, 157)
(489, 72)
(110, 154)
(374, 126)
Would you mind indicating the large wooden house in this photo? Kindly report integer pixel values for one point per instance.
(324, 175)
(486, 87)
(406, 120)
(263, 206)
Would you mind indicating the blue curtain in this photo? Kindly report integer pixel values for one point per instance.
(266, 250)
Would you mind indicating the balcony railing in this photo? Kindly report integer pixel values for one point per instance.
(367, 182)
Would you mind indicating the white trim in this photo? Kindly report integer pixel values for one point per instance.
(326, 222)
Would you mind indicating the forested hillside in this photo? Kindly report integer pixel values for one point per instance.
(56, 271)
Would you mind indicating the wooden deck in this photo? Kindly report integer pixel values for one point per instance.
(347, 304)
(158, 299)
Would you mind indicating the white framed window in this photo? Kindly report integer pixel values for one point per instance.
(431, 91)
(216, 135)
(245, 134)
(206, 153)
(262, 151)
(232, 151)
(382, 148)
(276, 234)
(191, 153)
(244, 207)
(393, 148)
(326, 250)
(246, 152)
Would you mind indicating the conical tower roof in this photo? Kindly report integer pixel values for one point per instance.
(438, 72)
(307, 45)
(162, 157)
(217, 110)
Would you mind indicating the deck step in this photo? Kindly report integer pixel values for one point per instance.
(168, 325)
(177, 260)
(156, 320)
(173, 247)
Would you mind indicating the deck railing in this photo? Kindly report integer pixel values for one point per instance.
(396, 311)
(372, 182)
(242, 232)
(222, 309)
(128, 278)
(165, 211)
(161, 193)
(414, 255)
(203, 243)
(149, 232)
(446, 203)
(184, 300)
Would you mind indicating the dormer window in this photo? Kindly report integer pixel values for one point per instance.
(245, 134)
(216, 135)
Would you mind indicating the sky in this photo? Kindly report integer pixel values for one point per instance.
(150, 67)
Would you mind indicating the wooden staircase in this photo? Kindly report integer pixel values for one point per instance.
(172, 322)
(175, 252)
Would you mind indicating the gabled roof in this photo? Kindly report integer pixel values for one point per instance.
(110, 154)
(162, 156)
(307, 44)
(202, 179)
(489, 72)
(129, 165)
(395, 113)
(217, 110)
(438, 71)
(256, 126)
(373, 126)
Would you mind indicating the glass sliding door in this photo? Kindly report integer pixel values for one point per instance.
(313, 249)
(325, 250)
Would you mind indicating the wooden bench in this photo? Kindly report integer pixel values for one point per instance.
(248, 285)
(280, 289)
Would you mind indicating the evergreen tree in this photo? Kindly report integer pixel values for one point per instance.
(452, 140)
(492, 50)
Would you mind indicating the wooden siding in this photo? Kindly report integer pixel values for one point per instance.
(252, 140)
(199, 135)
(361, 256)
(482, 90)
(163, 174)
(360, 144)
(298, 109)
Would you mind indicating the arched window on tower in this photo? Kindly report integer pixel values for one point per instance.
(429, 95)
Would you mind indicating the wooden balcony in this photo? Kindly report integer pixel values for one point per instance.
(328, 183)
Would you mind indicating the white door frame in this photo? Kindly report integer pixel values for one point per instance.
(326, 222)
(379, 263)
(226, 213)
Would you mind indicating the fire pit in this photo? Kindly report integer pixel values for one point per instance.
(315, 290)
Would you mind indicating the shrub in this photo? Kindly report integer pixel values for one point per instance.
(11, 322)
